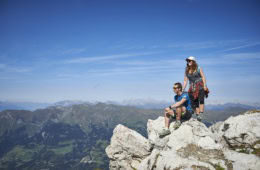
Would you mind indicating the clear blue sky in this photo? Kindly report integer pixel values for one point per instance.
(93, 50)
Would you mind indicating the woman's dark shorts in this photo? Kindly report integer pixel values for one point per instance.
(200, 100)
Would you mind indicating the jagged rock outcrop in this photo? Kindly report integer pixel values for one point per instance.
(232, 144)
(127, 149)
(240, 132)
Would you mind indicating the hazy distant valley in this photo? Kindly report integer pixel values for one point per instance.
(60, 136)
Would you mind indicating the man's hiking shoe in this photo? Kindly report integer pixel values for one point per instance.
(199, 117)
(164, 132)
(177, 124)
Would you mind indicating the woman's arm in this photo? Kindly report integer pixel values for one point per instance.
(185, 82)
(203, 79)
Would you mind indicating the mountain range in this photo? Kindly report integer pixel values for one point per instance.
(22, 105)
(59, 137)
(73, 136)
(140, 103)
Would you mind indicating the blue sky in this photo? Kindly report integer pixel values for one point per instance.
(98, 50)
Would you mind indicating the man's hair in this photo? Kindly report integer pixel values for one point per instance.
(178, 85)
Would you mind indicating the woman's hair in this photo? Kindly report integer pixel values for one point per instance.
(191, 68)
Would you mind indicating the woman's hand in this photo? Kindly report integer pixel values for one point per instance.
(205, 88)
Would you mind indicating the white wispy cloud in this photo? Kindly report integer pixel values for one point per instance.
(198, 45)
(74, 51)
(242, 56)
(230, 59)
(227, 62)
(103, 58)
(179, 45)
(7, 68)
(166, 69)
(151, 62)
(191, 46)
(239, 47)
(20, 70)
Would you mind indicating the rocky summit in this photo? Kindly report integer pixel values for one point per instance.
(233, 144)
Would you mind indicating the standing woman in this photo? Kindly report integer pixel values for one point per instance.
(198, 86)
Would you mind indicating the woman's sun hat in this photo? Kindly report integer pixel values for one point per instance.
(191, 58)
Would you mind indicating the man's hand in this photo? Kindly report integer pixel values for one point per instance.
(167, 109)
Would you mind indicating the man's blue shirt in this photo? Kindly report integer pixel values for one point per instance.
(187, 103)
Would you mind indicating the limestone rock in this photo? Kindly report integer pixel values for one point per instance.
(127, 148)
(242, 131)
(192, 132)
(191, 146)
(153, 129)
(242, 161)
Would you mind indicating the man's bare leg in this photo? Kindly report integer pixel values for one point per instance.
(178, 111)
(167, 115)
(183, 109)
(178, 117)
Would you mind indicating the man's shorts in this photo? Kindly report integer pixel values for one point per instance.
(184, 116)
(187, 115)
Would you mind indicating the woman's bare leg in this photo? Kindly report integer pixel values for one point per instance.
(197, 110)
(201, 107)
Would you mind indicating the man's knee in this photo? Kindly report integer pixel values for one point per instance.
(180, 108)
(169, 113)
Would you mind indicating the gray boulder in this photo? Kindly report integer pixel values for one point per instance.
(127, 149)
(241, 133)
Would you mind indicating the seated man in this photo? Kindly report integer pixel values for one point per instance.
(182, 106)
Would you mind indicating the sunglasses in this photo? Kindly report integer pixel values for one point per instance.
(175, 87)
(189, 61)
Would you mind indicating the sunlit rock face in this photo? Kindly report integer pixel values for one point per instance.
(232, 144)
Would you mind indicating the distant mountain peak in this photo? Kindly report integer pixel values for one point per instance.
(69, 102)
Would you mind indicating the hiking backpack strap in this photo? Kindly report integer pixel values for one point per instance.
(198, 69)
